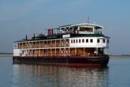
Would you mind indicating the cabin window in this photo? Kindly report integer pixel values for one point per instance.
(74, 41)
(91, 40)
(98, 30)
(86, 29)
(98, 40)
(86, 40)
(82, 40)
(71, 41)
(103, 40)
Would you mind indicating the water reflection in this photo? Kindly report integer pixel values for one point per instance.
(54, 76)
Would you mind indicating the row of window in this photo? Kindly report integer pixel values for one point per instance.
(86, 40)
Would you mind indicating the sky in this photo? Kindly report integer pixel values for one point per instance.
(21, 17)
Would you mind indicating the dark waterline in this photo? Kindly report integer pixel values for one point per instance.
(14, 75)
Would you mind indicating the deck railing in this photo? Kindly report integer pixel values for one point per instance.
(43, 44)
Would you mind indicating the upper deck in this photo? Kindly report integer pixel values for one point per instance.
(82, 28)
(73, 30)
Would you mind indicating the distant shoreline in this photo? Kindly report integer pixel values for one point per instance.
(121, 55)
(6, 53)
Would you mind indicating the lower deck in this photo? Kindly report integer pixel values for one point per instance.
(66, 60)
(63, 52)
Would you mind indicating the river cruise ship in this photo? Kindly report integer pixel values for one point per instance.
(74, 44)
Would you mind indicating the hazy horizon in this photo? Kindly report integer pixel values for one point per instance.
(18, 18)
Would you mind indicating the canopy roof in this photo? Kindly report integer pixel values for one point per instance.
(82, 24)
